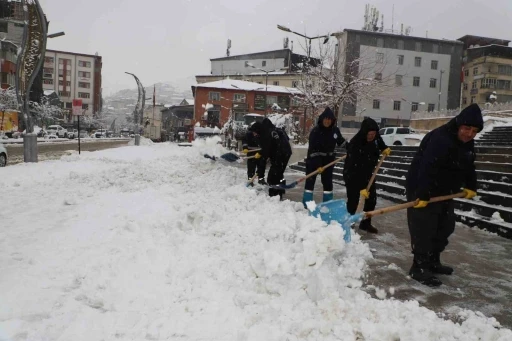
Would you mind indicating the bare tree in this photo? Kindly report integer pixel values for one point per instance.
(339, 78)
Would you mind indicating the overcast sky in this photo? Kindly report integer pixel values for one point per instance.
(167, 40)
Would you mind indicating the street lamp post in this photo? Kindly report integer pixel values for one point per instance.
(266, 82)
(308, 50)
(410, 114)
(440, 87)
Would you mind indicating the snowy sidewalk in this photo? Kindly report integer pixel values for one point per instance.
(157, 242)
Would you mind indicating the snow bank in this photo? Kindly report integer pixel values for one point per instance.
(144, 141)
(156, 242)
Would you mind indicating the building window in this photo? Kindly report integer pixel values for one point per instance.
(84, 85)
(396, 105)
(475, 71)
(465, 86)
(398, 80)
(378, 76)
(400, 44)
(464, 101)
(473, 85)
(416, 81)
(64, 93)
(417, 46)
(400, 59)
(82, 63)
(84, 74)
(264, 63)
(295, 84)
(488, 83)
(473, 99)
(435, 48)
(417, 61)
(414, 106)
(48, 70)
(379, 57)
(48, 60)
(61, 83)
(48, 81)
(271, 100)
(214, 96)
(239, 98)
(380, 42)
(376, 104)
(64, 61)
(433, 65)
(85, 106)
(84, 95)
(295, 102)
(433, 83)
(431, 107)
(505, 70)
(276, 82)
(503, 84)
(466, 73)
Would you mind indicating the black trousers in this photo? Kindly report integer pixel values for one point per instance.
(275, 175)
(253, 164)
(312, 164)
(353, 198)
(431, 226)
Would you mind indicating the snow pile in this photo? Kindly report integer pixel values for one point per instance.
(157, 242)
(144, 141)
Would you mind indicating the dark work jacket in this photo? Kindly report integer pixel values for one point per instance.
(443, 164)
(323, 140)
(362, 156)
(274, 142)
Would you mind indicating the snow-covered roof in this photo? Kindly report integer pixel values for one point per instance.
(233, 84)
(270, 73)
(48, 92)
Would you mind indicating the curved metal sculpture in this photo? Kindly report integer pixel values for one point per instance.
(138, 113)
(30, 58)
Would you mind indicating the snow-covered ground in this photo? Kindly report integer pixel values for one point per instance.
(157, 242)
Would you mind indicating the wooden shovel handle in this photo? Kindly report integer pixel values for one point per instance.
(370, 183)
(411, 204)
(326, 166)
(253, 150)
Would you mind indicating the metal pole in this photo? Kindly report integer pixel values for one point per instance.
(440, 87)
(266, 93)
(78, 134)
(306, 68)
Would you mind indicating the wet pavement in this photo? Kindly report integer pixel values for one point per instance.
(482, 280)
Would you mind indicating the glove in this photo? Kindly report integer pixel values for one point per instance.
(257, 156)
(245, 151)
(386, 151)
(469, 193)
(364, 193)
(421, 204)
(320, 170)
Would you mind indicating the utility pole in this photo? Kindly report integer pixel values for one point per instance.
(440, 88)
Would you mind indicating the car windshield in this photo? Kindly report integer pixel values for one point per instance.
(402, 131)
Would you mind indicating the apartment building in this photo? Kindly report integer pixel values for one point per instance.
(487, 70)
(9, 55)
(278, 68)
(416, 73)
(74, 76)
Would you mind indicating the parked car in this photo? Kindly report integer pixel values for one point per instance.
(395, 135)
(100, 133)
(3, 156)
(83, 134)
(72, 133)
(57, 130)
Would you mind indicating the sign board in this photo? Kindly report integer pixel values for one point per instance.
(77, 107)
(259, 102)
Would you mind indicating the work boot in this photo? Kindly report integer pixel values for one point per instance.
(366, 225)
(328, 196)
(261, 181)
(420, 271)
(306, 197)
(438, 268)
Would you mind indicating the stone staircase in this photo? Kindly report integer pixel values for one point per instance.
(490, 210)
(499, 136)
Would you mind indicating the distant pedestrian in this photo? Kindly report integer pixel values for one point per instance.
(444, 164)
(250, 141)
(362, 156)
(322, 140)
(275, 147)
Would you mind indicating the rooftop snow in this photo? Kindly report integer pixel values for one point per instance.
(233, 84)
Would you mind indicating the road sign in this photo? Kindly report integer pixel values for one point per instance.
(77, 107)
